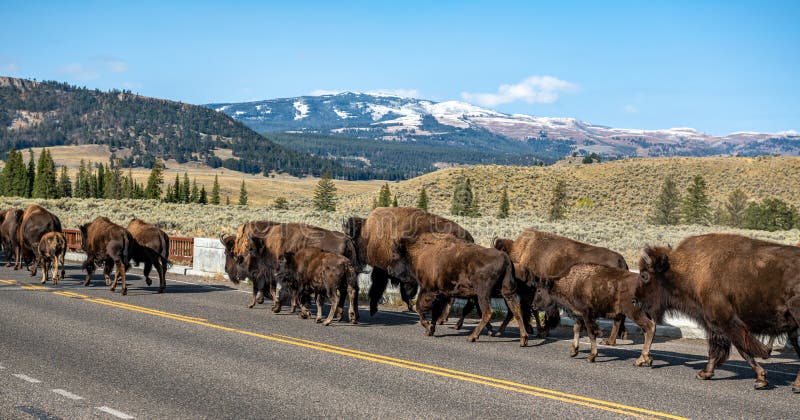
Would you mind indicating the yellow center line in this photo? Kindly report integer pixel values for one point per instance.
(8, 281)
(391, 361)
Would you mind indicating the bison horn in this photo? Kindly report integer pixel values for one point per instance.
(646, 257)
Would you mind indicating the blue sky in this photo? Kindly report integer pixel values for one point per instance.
(713, 66)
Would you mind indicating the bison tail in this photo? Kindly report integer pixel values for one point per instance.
(165, 252)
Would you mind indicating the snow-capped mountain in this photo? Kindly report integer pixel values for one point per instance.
(465, 126)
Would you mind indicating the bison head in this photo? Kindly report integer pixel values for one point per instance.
(504, 245)
(84, 228)
(399, 266)
(231, 267)
(652, 293)
(352, 226)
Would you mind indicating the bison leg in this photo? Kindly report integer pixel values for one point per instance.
(352, 293)
(761, 374)
(320, 298)
(44, 271)
(55, 271)
(649, 327)
(794, 309)
(425, 301)
(276, 298)
(446, 312)
(719, 348)
(148, 266)
(334, 298)
(254, 298)
(792, 338)
(162, 274)
(121, 273)
(592, 333)
(509, 317)
(576, 338)
(611, 340)
(36, 259)
(468, 307)
(509, 293)
(107, 267)
(380, 279)
(485, 303)
(89, 266)
(17, 257)
(63, 267)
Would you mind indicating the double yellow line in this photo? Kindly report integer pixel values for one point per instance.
(391, 361)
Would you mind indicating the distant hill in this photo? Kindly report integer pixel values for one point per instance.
(503, 137)
(140, 129)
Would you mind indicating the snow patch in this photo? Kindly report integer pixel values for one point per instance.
(301, 109)
(340, 113)
(222, 108)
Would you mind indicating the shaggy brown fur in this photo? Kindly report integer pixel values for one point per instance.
(234, 266)
(446, 266)
(148, 238)
(109, 244)
(322, 273)
(52, 249)
(538, 254)
(8, 233)
(591, 291)
(732, 285)
(36, 221)
(376, 237)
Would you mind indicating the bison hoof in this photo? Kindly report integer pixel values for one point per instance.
(250, 306)
(796, 389)
(277, 310)
(609, 342)
(523, 341)
(494, 333)
(160, 290)
(573, 351)
(326, 323)
(354, 321)
(644, 361)
(148, 282)
(113, 289)
(591, 358)
(703, 375)
(318, 320)
(124, 291)
(472, 338)
(761, 384)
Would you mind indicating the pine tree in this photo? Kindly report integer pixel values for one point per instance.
(242, 194)
(82, 185)
(462, 197)
(14, 175)
(325, 194)
(374, 203)
(502, 212)
(394, 201)
(194, 196)
(153, 189)
(227, 200)
(385, 196)
(281, 204)
(422, 201)
(101, 181)
(64, 183)
(203, 198)
(558, 201)
(474, 209)
(44, 185)
(215, 191)
(186, 189)
(696, 207)
(30, 176)
(665, 211)
(735, 207)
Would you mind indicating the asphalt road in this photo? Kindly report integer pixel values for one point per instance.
(197, 352)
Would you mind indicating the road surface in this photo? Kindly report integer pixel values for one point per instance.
(197, 352)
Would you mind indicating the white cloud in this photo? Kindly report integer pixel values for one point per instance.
(112, 63)
(533, 90)
(630, 109)
(8, 65)
(403, 93)
(322, 92)
(79, 71)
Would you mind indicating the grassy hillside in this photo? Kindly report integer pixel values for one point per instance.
(617, 190)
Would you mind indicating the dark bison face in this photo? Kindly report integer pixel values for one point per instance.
(285, 266)
(504, 245)
(352, 226)
(399, 266)
(84, 229)
(231, 267)
(542, 299)
(651, 294)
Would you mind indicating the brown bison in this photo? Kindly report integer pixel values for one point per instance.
(148, 237)
(591, 291)
(52, 249)
(109, 244)
(538, 254)
(376, 236)
(322, 273)
(261, 252)
(446, 266)
(234, 266)
(8, 233)
(36, 221)
(732, 285)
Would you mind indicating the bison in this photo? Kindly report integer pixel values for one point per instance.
(109, 244)
(36, 222)
(538, 254)
(734, 286)
(151, 247)
(8, 233)
(591, 291)
(322, 273)
(52, 249)
(376, 236)
(260, 252)
(234, 267)
(446, 266)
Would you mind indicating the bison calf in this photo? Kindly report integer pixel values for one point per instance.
(446, 266)
(591, 291)
(52, 248)
(323, 273)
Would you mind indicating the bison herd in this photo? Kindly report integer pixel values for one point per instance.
(734, 286)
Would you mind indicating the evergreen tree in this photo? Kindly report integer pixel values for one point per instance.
(325, 194)
(101, 181)
(474, 209)
(771, 214)
(281, 204)
(203, 197)
(82, 184)
(227, 200)
(394, 201)
(242, 194)
(502, 212)
(665, 211)
(374, 203)
(422, 201)
(64, 183)
(696, 208)
(558, 201)
(30, 176)
(735, 207)
(14, 175)
(186, 189)
(215, 191)
(385, 196)
(153, 189)
(194, 196)
(462, 197)
(44, 185)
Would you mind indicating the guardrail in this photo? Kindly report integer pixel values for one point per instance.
(181, 249)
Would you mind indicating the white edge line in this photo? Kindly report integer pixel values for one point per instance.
(115, 413)
(26, 378)
(65, 393)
